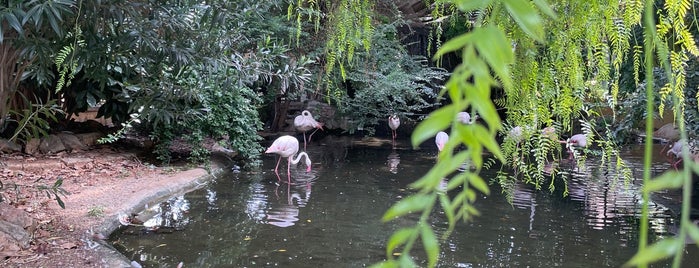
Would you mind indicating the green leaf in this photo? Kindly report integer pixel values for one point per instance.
(692, 231)
(385, 264)
(399, 238)
(60, 202)
(478, 183)
(496, 49)
(435, 122)
(488, 141)
(668, 180)
(58, 183)
(406, 261)
(429, 242)
(545, 8)
(416, 202)
(445, 203)
(655, 252)
(443, 168)
(454, 44)
(526, 17)
(470, 5)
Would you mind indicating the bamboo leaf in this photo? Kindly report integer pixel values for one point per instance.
(429, 242)
(416, 202)
(655, 252)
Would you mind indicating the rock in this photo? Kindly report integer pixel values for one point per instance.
(71, 142)
(51, 144)
(15, 227)
(15, 216)
(89, 139)
(7, 146)
(32, 146)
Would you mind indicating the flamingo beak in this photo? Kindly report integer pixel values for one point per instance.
(308, 169)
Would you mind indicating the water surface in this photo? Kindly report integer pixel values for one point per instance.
(330, 217)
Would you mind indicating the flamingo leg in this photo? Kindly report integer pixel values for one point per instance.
(288, 170)
(309, 136)
(276, 169)
(304, 140)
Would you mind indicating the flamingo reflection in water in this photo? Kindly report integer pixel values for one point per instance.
(393, 160)
(286, 147)
(286, 213)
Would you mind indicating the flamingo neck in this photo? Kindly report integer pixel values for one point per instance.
(298, 159)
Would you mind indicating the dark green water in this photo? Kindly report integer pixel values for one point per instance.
(330, 217)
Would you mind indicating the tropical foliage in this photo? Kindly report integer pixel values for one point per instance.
(198, 70)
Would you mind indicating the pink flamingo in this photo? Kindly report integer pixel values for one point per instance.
(287, 146)
(393, 123)
(465, 118)
(576, 141)
(676, 151)
(306, 122)
(441, 139)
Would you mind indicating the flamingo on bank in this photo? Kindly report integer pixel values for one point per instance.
(286, 147)
(393, 123)
(576, 141)
(306, 122)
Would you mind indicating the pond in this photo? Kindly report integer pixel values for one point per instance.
(330, 217)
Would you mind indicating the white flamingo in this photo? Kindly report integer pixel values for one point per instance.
(286, 147)
(441, 139)
(306, 122)
(393, 123)
(465, 118)
(574, 142)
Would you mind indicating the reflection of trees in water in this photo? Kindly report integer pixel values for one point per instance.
(607, 200)
(333, 152)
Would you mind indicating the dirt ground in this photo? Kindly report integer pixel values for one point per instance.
(102, 184)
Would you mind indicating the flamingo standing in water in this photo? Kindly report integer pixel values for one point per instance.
(306, 122)
(393, 123)
(287, 146)
(576, 141)
(465, 118)
(441, 139)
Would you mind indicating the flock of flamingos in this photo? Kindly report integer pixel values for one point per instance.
(288, 146)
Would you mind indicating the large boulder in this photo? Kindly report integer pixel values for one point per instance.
(71, 142)
(51, 144)
(7, 146)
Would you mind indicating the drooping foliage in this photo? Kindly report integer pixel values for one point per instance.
(560, 81)
(386, 80)
(186, 67)
(367, 84)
